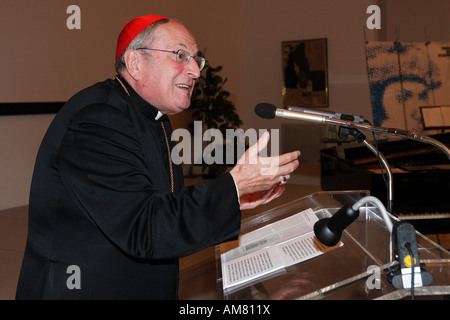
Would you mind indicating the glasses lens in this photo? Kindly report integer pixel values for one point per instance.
(183, 56)
(201, 62)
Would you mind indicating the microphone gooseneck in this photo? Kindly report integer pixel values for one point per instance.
(329, 230)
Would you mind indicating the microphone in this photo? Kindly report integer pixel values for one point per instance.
(269, 111)
(331, 114)
(409, 273)
(329, 230)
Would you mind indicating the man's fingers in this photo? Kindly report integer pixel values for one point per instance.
(288, 157)
(253, 173)
(254, 150)
(250, 201)
(278, 166)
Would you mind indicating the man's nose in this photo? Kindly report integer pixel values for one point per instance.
(193, 69)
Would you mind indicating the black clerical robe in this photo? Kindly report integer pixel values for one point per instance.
(103, 221)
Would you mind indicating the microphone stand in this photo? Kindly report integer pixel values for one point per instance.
(268, 111)
(361, 138)
(395, 132)
(409, 134)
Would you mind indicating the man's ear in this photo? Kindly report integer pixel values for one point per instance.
(133, 63)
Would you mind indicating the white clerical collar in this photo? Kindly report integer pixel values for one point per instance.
(159, 115)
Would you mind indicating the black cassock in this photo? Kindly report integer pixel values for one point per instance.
(103, 222)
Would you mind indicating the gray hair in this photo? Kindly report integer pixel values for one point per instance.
(144, 36)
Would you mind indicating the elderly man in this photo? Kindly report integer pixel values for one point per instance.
(109, 215)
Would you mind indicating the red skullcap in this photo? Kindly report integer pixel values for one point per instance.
(131, 30)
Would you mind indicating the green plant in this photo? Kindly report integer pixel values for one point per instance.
(211, 105)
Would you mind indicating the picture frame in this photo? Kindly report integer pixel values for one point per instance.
(305, 73)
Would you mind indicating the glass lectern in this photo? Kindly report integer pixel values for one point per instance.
(278, 257)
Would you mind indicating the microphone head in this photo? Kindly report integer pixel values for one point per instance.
(329, 230)
(324, 234)
(265, 110)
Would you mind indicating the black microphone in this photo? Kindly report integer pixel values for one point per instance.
(265, 110)
(409, 273)
(331, 114)
(329, 230)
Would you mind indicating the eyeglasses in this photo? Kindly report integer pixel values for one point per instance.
(182, 56)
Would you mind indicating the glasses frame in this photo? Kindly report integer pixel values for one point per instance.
(200, 60)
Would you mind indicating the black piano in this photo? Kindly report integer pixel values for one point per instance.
(421, 178)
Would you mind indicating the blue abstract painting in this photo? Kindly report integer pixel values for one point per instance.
(404, 77)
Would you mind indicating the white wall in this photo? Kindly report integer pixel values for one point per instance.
(416, 20)
(44, 61)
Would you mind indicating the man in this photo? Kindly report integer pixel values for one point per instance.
(109, 215)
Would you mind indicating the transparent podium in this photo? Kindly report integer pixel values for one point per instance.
(277, 256)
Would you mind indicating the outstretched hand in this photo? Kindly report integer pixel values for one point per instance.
(258, 178)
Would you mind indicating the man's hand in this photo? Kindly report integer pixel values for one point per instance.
(253, 200)
(258, 178)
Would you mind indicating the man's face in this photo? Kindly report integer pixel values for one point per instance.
(165, 83)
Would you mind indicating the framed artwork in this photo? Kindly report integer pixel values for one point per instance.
(305, 73)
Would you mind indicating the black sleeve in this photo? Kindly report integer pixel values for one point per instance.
(103, 167)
